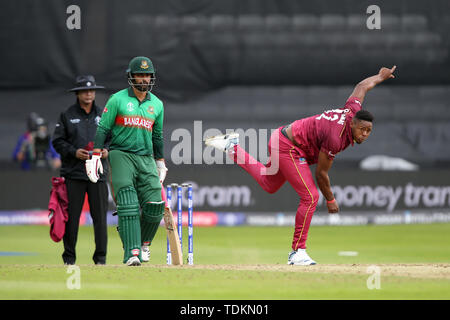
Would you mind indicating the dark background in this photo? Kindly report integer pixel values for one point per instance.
(235, 64)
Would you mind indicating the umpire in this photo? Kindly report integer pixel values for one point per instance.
(73, 140)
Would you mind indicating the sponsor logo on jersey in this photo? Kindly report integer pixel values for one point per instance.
(75, 120)
(105, 110)
(97, 120)
(136, 122)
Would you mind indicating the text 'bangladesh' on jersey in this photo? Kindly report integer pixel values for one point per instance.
(135, 126)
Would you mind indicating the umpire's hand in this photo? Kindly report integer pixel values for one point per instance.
(82, 154)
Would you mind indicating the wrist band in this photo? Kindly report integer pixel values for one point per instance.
(331, 201)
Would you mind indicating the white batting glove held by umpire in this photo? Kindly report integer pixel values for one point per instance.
(162, 170)
(93, 166)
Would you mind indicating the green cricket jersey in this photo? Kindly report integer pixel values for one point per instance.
(136, 127)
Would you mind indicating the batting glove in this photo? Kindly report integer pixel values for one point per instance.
(162, 170)
(93, 166)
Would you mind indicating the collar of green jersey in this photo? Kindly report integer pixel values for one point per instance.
(131, 94)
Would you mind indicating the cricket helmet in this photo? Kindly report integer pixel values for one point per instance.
(141, 65)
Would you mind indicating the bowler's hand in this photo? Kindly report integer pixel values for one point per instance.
(386, 73)
(82, 154)
(333, 207)
(94, 166)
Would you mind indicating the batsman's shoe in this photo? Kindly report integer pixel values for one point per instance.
(145, 253)
(300, 258)
(133, 261)
(224, 142)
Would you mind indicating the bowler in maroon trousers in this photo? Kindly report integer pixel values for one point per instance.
(304, 142)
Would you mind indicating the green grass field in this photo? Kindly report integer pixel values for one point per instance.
(236, 263)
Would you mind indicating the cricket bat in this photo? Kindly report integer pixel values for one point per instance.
(174, 240)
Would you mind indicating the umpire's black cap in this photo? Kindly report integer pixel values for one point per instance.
(86, 82)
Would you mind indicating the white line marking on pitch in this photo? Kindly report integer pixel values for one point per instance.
(348, 253)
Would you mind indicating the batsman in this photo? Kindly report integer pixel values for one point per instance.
(134, 116)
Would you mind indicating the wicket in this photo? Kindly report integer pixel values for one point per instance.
(179, 188)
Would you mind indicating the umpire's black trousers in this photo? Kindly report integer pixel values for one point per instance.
(98, 205)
